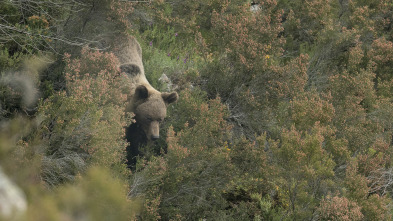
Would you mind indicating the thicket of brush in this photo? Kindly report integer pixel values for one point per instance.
(285, 112)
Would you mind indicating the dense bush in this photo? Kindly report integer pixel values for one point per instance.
(285, 111)
(86, 122)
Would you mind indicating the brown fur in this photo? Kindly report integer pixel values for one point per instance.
(148, 104)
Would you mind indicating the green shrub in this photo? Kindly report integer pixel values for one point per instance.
(85, 124)
(97, 195)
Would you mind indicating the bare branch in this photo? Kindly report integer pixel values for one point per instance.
(56, 12)
(381, 181)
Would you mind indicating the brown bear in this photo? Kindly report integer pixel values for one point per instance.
(148, 104)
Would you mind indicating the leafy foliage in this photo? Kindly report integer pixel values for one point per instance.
(96, 196)
(285, 111)
(86, 122)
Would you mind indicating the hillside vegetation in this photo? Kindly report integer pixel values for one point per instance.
(285, 109)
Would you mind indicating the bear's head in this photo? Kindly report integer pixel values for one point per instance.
(149, 108)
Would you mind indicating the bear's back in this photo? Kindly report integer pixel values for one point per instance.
(128, 51)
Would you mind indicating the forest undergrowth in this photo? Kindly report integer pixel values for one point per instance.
(285, 110)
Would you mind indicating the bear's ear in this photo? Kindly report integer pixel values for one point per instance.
(130, 69)
(169, 97)
(141, 92)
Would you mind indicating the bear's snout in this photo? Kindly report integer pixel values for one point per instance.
(154, 130)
